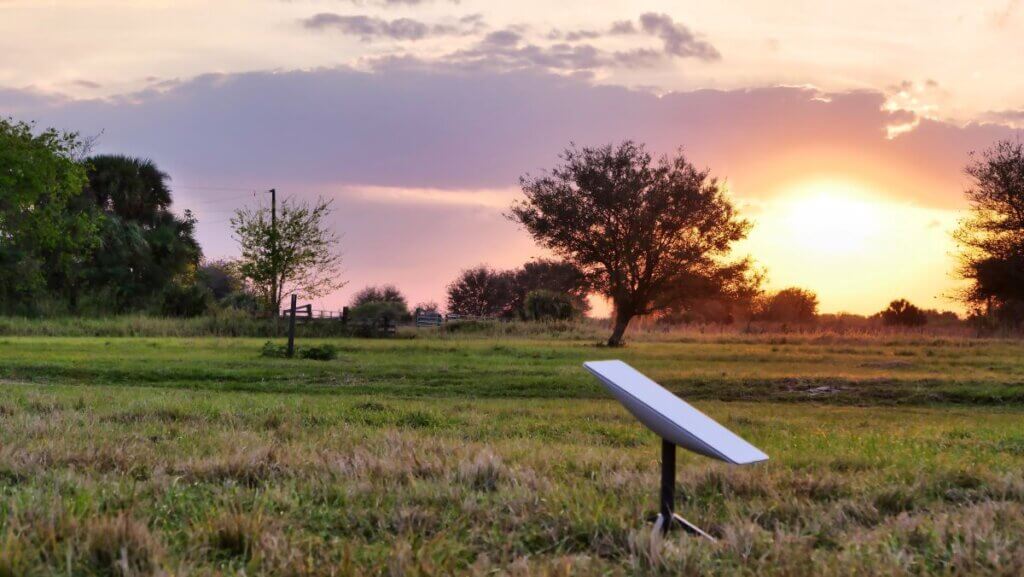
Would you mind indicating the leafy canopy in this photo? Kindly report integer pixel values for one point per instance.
(991, 238)
(299, 256)
(637, 227)
(42, 240)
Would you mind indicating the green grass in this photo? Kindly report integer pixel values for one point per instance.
(430, 456)
(835, 372)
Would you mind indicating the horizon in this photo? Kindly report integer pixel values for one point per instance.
(418, 117)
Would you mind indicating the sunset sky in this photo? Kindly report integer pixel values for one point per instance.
(840, 128)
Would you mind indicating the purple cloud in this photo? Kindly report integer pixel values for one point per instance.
(369, 28)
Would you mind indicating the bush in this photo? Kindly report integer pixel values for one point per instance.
(903, 314)
(386, 293)
(541, 305)
(372, 319)
(315, 353)
(791, 305)
(184, 301)
(274, 351)
(321, 353)
(242, 301)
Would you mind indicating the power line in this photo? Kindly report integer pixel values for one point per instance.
(236, 188)
(224, 199)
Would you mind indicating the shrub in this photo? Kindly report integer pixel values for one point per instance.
(321, 353)
(386, 293)
(274, 351)
(543, 305)
(903, 314)
(184, 301)
(372, 319)
(316, 353)
(791, 305)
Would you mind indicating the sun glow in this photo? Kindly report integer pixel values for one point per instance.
(858, 248)
(831, 217)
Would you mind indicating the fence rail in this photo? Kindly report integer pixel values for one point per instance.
(308, 313)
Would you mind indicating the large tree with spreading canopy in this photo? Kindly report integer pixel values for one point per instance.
(991, 237)
(640, 228)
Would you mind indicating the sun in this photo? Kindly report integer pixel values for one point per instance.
(832, 217)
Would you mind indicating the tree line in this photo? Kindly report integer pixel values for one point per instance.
(83, 233)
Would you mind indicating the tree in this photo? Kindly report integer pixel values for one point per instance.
(221, 278)
(144, 246)
(636, 227)
(903, 314)
(425, 308)
(481, 291)
(385, 293)
(541, 305)
(727, 293)
(299, 257)
(553, 276)
(43, 242)
(134, 189)
(991, 238)
(790, 305)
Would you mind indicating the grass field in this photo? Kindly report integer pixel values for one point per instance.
(196, 456)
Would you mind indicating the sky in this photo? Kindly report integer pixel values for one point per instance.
(840, 128)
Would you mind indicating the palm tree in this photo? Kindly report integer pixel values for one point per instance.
(134, 189)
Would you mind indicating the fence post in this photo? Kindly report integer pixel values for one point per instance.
(291, 328)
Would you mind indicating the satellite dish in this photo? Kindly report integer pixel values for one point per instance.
(677, 423)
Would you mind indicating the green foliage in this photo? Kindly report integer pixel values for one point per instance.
(297, 255)
(385, 294)
(144, 247)
(274, 351)
(545, 305)
(221, 277)
(43, 239)
(226, 284)
(552, 276)
(133, 189)
(184, 300)
(482, 292)
(374, 319)
(636, 227)
(379, 312)
(324, 352)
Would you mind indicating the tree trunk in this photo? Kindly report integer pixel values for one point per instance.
(621, 322)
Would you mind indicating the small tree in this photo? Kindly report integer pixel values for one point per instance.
(542, 305)
(903, 314)
(386, 293)
(991, 238)
(426, 307)
(553, 276)
(299, 256)
(387, 313)
(790, 305)
(220, 277)
(636, 227)
(481, 291)
(385, 304)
